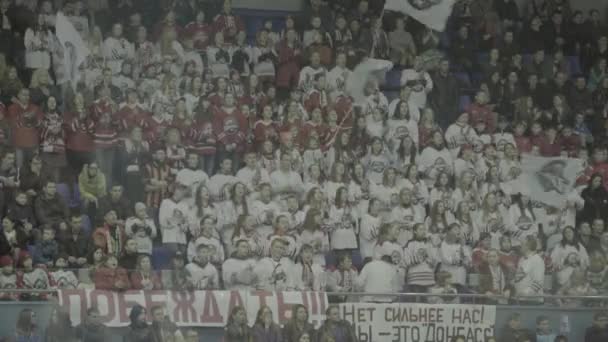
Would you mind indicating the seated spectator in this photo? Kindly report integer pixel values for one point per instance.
(12, 239)
(178, 279)
(92, 185)
(91, 328)
(577, 286)
(144, 277)
(162, 327)
(513, 331)
(264, 328)
(8, 278)
(543, 330)
(50, 207)
(336, 328)
(46, 249)
(443, 286)
(130, 256)
(34, 278)
(62, 277)
(110, 276)
(139, 330)
(597, 331)
(111, 236)
(298, 325)
(74, 242)
(22, 212)
(117, 201)
(342, 279)
(237, 328)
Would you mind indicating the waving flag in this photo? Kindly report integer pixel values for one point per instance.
(432, 13)
(368, 70)
(75, 51)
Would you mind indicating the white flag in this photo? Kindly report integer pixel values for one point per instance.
(366, 71)
(75, 51)
(432, 13)
(549, 180)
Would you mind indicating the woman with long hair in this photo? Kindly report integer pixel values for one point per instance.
(312, 234)
(466, 190)
(59, 328)
(370, 226)
(386, 191)
(246, 230)
(343, 222)
(468, 225)
(26, 328)
(144, 277)
(492, 218)
(298, 325)
(596, 199)
(230, 210)
(265, 329)
(570, 244)
(338, 178)
(443, 190)
(237, 329)
(309, 275)
(336, 329)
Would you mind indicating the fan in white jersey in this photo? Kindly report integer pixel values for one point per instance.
(312, 234)
(454, 256)
(237, 271)
(275, 273)
(264, 210)
(308, 275)
(201, 274)
(192, 177)
(530, 275)
(62, 278)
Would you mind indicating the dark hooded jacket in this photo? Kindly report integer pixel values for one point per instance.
(138, 331)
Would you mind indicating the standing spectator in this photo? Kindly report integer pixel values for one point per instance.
(91, 329)
(513, 331)
(276, 271)
(173, 221)
(162, 328)
(139, 330)
(111, 236)
(298, 325)
(117, 49)
(62, 278)
(157, 179)
(493, 277)
(74, 241)
(79, 129)
(455, 256)
(26, 119)
(116, 201)
(32, 278)
(530, 276)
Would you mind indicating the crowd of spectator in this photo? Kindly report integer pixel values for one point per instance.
(233, 155)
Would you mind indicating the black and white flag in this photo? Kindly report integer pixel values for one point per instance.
(432, 13)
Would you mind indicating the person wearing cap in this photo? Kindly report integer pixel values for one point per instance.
(30, 277)
(8, 278)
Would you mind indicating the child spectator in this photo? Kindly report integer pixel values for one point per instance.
(35, 278)
(443, 286)
(47, 249)
(61, 277)
(110, 276)
(8, 278)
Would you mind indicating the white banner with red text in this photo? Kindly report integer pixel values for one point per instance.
(411, 322)
(191, 309)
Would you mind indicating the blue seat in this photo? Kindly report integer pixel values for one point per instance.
(393, 78)
(464, 78)
(70, 197)
(575, 65)
(464, 102)
(161, 258)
